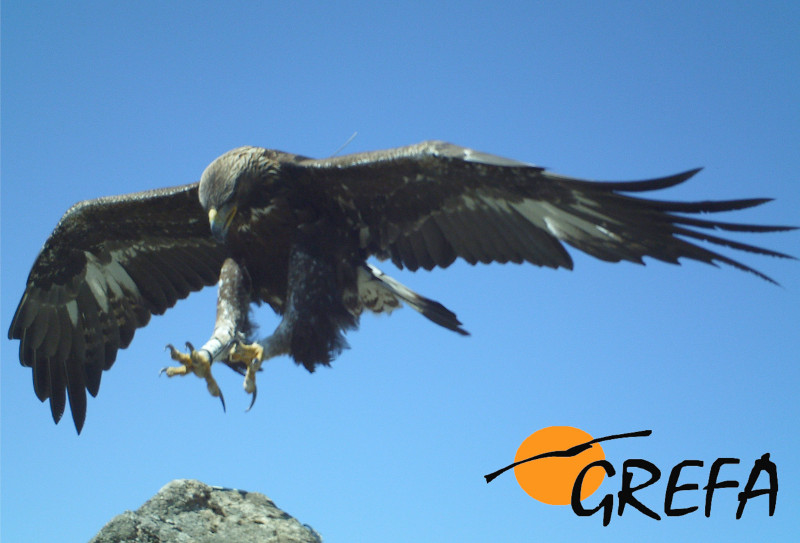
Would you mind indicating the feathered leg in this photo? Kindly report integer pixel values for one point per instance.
(233, 303)
(314, 316)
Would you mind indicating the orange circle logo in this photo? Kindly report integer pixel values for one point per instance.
(550, 479)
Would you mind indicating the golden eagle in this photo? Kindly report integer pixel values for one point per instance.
(296, 233)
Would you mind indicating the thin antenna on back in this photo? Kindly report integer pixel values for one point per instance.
(345, 144)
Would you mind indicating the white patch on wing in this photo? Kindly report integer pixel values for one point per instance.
(469, 202)
(555, 228)
(608, 233)
(470, 155)
(535, 212)
(119, 282)
(373, 293)
(109, 281)
(72, 311)
(564, 224)
(110, 287)
(96, 281)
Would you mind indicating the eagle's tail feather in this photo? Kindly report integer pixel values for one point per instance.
(431, 309)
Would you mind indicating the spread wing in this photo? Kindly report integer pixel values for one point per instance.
(427, 204)
(107, 267)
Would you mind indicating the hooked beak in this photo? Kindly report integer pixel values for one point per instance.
(220, 221)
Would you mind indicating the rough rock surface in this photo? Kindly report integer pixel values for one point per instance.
(190, 511)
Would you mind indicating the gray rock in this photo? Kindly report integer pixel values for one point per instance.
(187, 511)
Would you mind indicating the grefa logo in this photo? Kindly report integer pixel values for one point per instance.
(562, 465)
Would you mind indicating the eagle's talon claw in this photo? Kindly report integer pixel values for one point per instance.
(250, 382)
(197, 362)
(252, 400)
(185, 359)
(252, 355)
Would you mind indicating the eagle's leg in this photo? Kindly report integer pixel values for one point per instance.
(254, 354)
(314, 316)
(230, 328)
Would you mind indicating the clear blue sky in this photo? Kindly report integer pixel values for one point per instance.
(392, 443)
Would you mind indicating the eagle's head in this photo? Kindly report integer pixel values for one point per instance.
(227, 184)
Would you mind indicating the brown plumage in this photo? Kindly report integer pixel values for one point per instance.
(296, 233)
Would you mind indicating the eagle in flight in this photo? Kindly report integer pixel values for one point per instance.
(296, 233)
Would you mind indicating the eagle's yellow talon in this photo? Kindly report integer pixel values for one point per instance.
(197, 362)
(253, 356)
(177, 356)
(247, 353)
